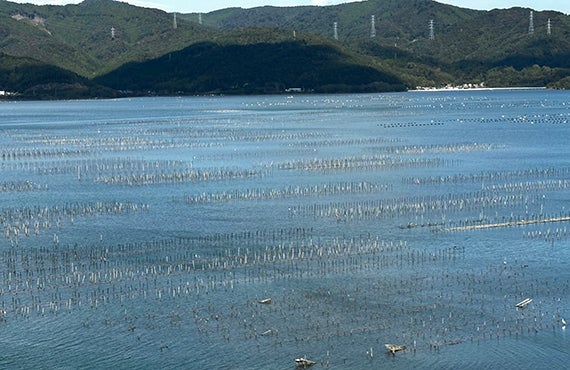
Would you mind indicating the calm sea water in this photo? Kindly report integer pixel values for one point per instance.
(151, 233)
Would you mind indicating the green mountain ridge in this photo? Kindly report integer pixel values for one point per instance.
(129, 48)
(79, 37)
(462, 37)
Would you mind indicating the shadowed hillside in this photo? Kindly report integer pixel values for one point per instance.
(253, 68)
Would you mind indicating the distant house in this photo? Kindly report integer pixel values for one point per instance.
(294, 89)
(6, 93)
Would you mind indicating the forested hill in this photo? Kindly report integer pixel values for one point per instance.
(376, 45)
(93, 37)
(471, 45)
(32, 79)
(253, 69)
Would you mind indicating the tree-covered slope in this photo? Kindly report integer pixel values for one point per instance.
(397, 19)
(25, 78)
(252, 68)
(466, 43)
(80, 37)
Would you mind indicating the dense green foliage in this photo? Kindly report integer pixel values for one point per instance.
(79, 37)
(35, 80)
(253, 68)
(469, 45)
(563, 84)
(268, 49)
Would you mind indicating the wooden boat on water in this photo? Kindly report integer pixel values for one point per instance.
(265, 301)
(523, 303)
(393, 348)
(303, 362)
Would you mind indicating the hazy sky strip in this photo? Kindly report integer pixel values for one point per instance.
(204, 6)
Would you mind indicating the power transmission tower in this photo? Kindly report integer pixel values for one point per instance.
(548, 28)
(372, 26)
(531, 23)
(335, 30)
(112, 33)
(200, 18)
(174, 23)
(431, 30)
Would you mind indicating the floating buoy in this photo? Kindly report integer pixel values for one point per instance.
(303, 362)
(393, 348)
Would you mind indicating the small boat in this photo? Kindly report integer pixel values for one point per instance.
(393, 348)
(265, 301)
(523, 303)
(303, 362)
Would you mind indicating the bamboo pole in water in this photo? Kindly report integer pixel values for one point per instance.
(506, 224)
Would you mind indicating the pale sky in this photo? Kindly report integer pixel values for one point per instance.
(204, 6)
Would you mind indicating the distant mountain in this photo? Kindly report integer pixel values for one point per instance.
(269, 49)
(404, 20)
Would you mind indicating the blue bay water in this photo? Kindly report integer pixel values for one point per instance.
(143, 233)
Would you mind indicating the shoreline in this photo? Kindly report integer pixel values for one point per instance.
(15, 98)
(478, 89)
